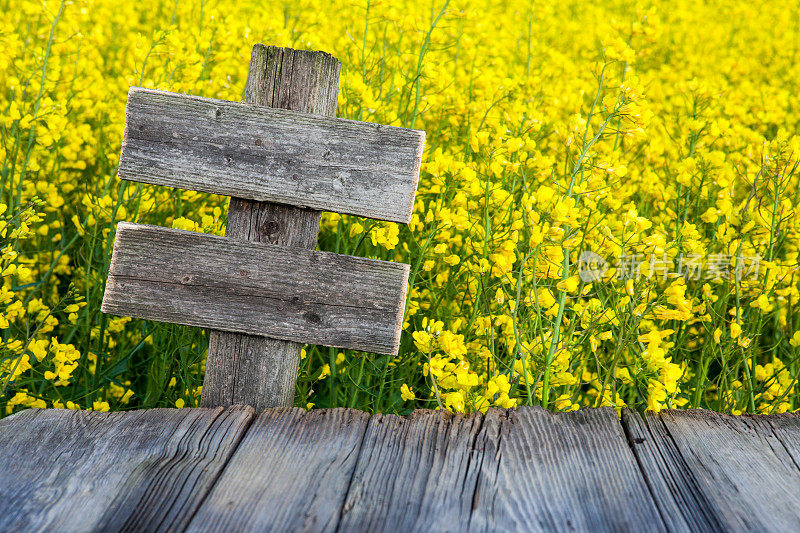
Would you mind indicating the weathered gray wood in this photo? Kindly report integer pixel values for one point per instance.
(288, 470)
(245, 369)
(290, 473)
(204, 280)
(79, 471)
(680, 500)
(556, 472)
(414, 474)
(723, 472)
(786, 427)
(274, 155)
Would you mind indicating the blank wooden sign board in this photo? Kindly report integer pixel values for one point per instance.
(262, 289)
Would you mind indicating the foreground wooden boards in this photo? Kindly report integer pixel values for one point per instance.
(559, 472)
(506, 471)
(414, 474)
(79, 471)
(260, 289)
(342, 470)
(272, 155)
(291, 472)
(721, 472)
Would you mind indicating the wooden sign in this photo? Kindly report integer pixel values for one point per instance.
(282, 157)
(307, 296)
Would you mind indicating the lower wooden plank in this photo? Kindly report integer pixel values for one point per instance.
(290, 473)
(66, 470)
(281, 292)
(414, 474)
(559, 472)
(720, 472)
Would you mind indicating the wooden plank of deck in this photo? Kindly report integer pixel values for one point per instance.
(683, 505)
(414, 473)
(290, 473)
(786, 427)
(559, 472)
(720, 472)
(66, 470)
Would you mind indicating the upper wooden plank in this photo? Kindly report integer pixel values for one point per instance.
(272, 155)
(273, 291)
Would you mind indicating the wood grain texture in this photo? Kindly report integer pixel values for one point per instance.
(680, 499)
(342, 470)
(142, 470)
(204, 280)
(414, 474)
(786, 427)
(725, 472)
(557, 472)
(274, 155)
(246, 369)
(290, 473)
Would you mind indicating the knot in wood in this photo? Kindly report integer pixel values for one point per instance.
(313, 317)
(270, 227)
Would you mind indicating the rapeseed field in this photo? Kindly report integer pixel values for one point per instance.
(606, 211)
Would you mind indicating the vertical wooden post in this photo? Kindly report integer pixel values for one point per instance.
(245, 369)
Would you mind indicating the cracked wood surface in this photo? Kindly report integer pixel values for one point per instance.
(722, 472)
(307, 296)
(560, 472)
(292, 469)
(66, 470)
(414, 474)
(344, 470)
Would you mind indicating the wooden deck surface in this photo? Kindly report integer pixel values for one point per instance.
(327, 470)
